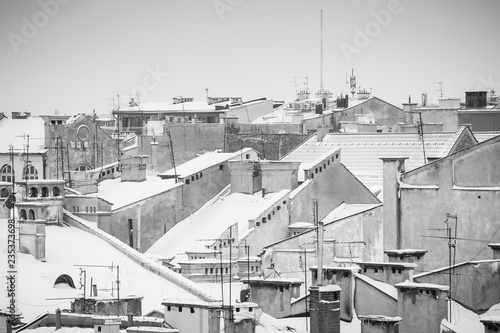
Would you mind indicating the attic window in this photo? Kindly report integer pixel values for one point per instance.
(336, 156)
(192, 178)
(221, 167)
(180, 308)
(278, 208)
(284, 202)
(269, 216)
(169, 308)
(247, 156)
(263, 220)
(201, 174)
(257, 224)
(187, 181)
(191, 309)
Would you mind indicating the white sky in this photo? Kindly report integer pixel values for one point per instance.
(88, 51)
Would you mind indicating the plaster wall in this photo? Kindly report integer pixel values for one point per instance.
(249, 112)
(374, 108)
(447, 117)
(473, 283)
(270, 128)
(32, 239)
(188, 140)
(330, 187)
(480, 120)
(344, 279)
(186, 321)
(274, 300)
(368, 300)
(289, 255)
(420, 311)
(98, 150)
(36, 160)
(468, 187)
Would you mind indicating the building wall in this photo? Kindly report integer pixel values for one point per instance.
(37, 160)
(468, 187)
(368, 300)
(249, 112)
(270, 129)
(274, 299)
(480, 120)
(188, 140)
(345, 280)
(374, 108)
(289, 258)
(185, 321)
(330, 187)
(421, 311)
(447, 117)
(472, 282)
(97, 150)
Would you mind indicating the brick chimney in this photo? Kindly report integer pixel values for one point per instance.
(392, 169)
(325, 309)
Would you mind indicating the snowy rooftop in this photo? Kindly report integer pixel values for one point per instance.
(68, 247)
(13, 131)
(121, 194)
(169, 106)
(416, 285)
(203, 162)
(345, 210)
(197, 231)
(361, 153)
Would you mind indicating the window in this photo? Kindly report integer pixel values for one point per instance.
(191, 309)
(6, 173)
(201, 174)
(45, 192)
(247, 156)
(82, 168)
(221, 167)
(257, 224)
(22, 214)
(187, 181)
(180, 308)
(30, 172)
(169, 308)
(263, 220)
(31, 214)
(4, 193)
(278, 208)
(56, 191)
(33, 192)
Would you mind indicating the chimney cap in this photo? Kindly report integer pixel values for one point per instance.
(392, 159)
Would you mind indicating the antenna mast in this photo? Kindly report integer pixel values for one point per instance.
(321, 53)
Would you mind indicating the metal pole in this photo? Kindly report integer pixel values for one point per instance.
(422, 135)
(118, 287)
(305, 283)
(230, 264)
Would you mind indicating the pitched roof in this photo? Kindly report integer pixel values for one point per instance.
(361, 153)
(483, 136)
(13, 131)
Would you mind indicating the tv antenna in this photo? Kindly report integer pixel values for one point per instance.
(440, 88)
(352, 83)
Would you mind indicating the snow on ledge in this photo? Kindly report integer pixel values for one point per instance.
(474, 188)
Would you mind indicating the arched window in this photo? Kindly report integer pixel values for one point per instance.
(56, 191)
(4, 193)
(45, 192)
(6, 173)
(33, 192)
(30, 172)
(31, 214)
(83, 168)
(22, 214)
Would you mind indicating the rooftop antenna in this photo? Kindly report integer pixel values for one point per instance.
(352, 83)
(321, 53)
(440, 88)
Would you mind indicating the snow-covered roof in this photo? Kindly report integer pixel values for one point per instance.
(14, 130)
(203, 162)
(171, 107)
(122, 194)
(208, 223)
(361, 153)
(345, 210)
(383, 287)
(416, 285)
(68, 247)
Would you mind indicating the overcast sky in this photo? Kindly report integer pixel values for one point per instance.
(77, 55)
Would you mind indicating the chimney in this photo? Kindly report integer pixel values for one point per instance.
(154, 155)
(133, 168)
(407, 110)
(496, 250)
(325, 308)
(417, 301)
(414, 256)
(392, 170)
(321, 131)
